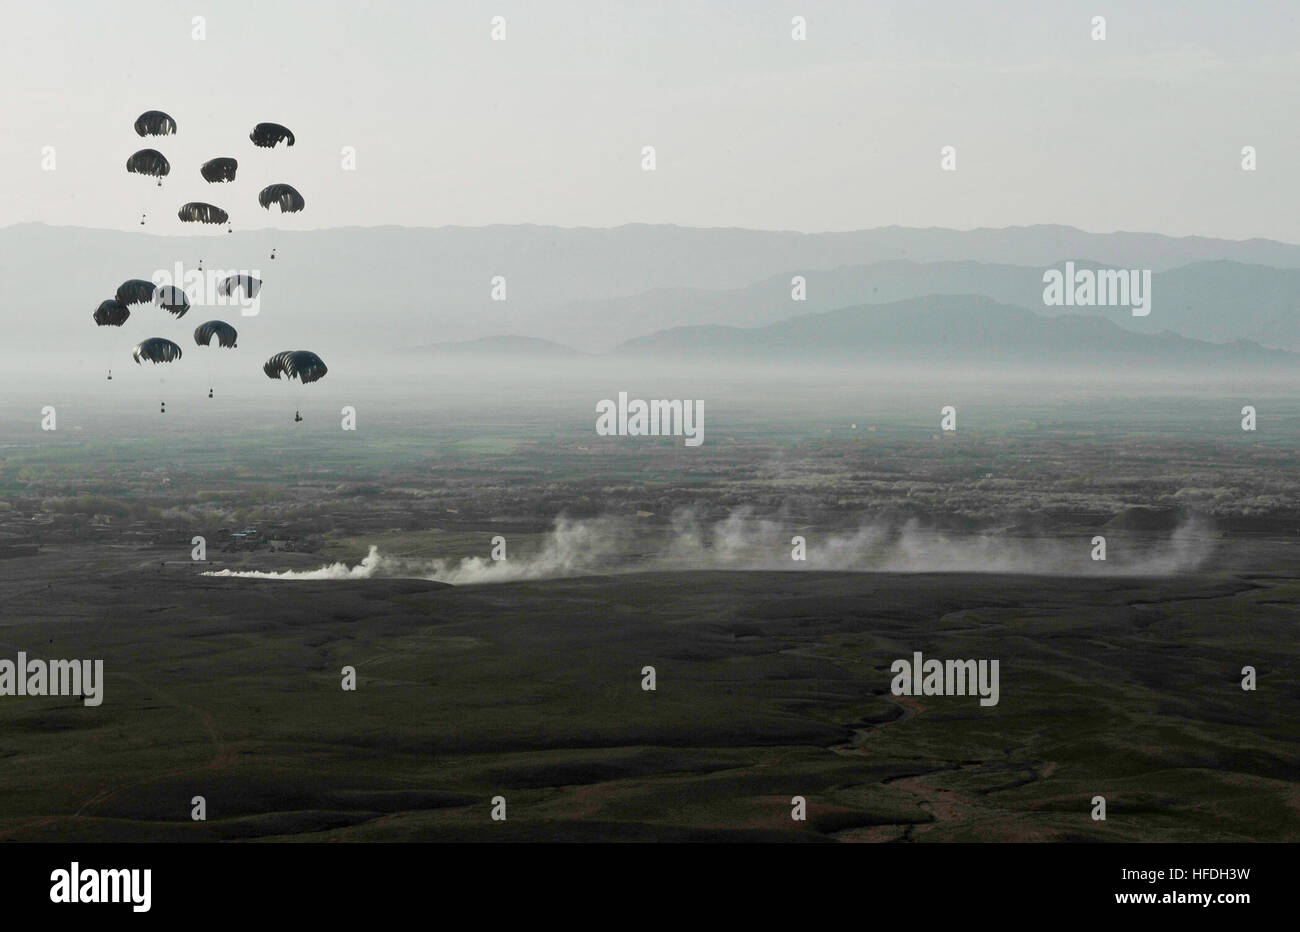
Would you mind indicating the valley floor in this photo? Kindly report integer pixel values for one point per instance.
(769, 685)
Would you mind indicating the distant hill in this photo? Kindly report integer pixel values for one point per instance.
(949, 330)
(355, 291)
(1219, 301)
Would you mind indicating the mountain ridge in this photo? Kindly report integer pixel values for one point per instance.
(947, 329)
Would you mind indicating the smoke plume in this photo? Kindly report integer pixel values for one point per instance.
(744, 542)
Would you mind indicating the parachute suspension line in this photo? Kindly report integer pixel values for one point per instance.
(283, 196)
(226, 337)
(157, 350)
(303, 365)
(150, 163)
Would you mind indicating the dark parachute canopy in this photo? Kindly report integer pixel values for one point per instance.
(218, 170)
(300, 364)
(154, 123)
(172, 298)
(226, 335)
(149, 162)
(274, 366)
(111, 313)
(135, 291)
(268, 135)
(250, 285)
(198, 212)
(156, 350)
(286, 195)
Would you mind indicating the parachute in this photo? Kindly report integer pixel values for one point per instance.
(149, 162)
(111, 313)
(250, 285)
(156, 350)
(135, 291)
(300, 364)
(154, 123)
(219, 170)
(172, 298)
(268, 135)
(198, 212)
(226, 335)
(285, 195)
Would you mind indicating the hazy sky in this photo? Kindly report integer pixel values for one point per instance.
(843, 131)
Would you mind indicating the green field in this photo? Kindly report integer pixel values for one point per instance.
(769, 686)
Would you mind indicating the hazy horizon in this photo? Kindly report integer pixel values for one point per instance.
(272, 228)
(752, 129)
